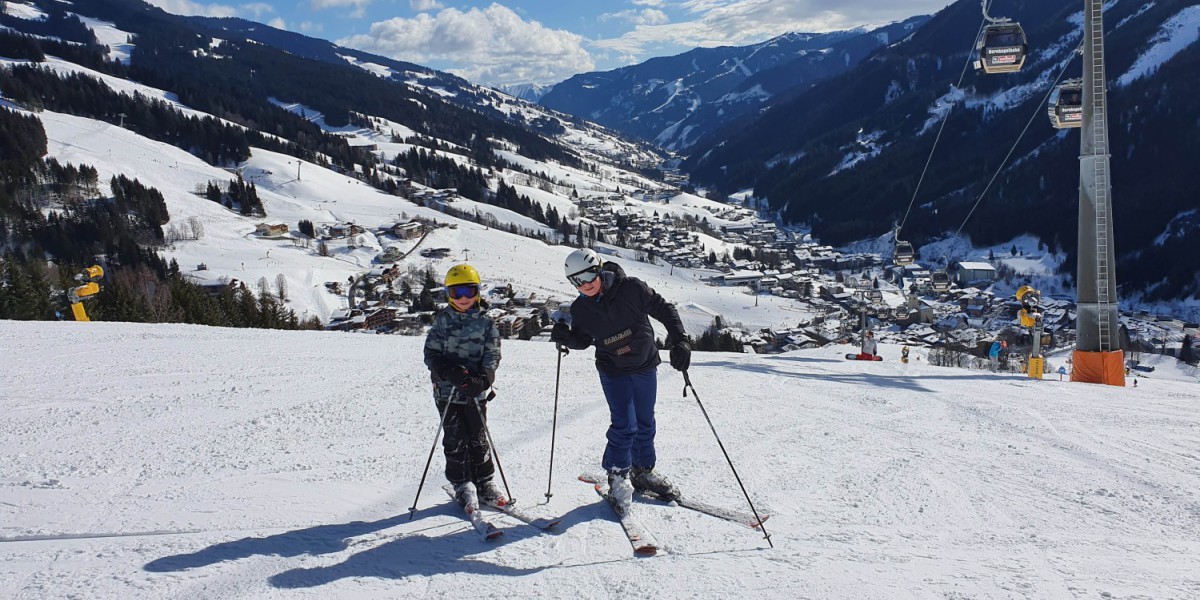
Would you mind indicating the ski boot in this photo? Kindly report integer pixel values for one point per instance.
(619, 487)
(464, 494)
(489, 494)
(649, 480)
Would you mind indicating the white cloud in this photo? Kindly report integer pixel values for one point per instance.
(278, 23)
(425, 5)
(647, 2)
(310, 27)
(496, 45)
(646, 16)
(360, 6)
(741, 22)
(189, 8)
(257, 9)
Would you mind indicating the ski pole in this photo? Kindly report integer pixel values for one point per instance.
(687, 383)
(492, 446)
(412, 510)
(562, 351)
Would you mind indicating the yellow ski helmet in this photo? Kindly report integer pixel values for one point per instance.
(463, 274)
(462, 281)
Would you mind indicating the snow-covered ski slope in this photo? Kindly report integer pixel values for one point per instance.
(175, 461)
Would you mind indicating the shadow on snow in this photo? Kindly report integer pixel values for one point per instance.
(908, 382)
(405, 556)
(419, 555)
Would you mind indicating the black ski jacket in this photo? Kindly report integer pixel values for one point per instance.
(617, 322)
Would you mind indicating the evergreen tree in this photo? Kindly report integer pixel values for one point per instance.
(1187, 353)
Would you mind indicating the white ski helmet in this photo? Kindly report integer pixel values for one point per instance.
(580, 261)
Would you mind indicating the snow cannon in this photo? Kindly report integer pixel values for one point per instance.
(1031, 306)
(89, 277)
(1031, 317)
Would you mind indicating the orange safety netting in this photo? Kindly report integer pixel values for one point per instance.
(1099, 367)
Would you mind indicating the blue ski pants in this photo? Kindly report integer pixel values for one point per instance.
(631, 411)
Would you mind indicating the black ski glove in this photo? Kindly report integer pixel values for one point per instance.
(474, 385)
(681, 355)
(449, 370)
(561, 334)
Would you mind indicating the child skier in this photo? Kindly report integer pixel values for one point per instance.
(612, 312)
(462, 352)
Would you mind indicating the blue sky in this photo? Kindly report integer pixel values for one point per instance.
(547, 41)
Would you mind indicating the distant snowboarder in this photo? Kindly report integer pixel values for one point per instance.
(870, 348)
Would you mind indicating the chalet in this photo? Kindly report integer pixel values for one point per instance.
(346, 320)
(740, 278)
(380, 318)
(510, 325)
(975, 306)
(408, 231)
(216, 288)
(341, 230)
(973, 273)
(271, 229)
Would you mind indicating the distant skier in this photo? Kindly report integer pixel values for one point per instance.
(904, 354)
(612, 312)
(870, 348)
(462, 351)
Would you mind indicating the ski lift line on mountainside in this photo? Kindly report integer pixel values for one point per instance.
(941, 127)
(1013, 149)
(1002, 45)
(992, 28)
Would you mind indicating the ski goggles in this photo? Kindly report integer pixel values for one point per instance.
(584, 277)
(462, 291)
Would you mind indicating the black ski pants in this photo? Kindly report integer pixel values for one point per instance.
(468, 456)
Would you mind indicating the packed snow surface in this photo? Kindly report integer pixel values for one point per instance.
(176, 461)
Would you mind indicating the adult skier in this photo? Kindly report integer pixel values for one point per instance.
(994, 353)
(462, 351)
(612, 311)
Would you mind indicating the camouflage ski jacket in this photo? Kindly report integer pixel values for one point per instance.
(469, 339)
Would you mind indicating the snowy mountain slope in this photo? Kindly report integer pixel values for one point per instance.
(160, 461)
(790, 155)
(228, 248)
(293, 190)
(676, 100)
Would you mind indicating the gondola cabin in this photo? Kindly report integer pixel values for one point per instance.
(939, 280)
(1066, 105)
(904, 253)
(1002, 48)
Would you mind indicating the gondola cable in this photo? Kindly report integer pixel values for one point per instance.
(942, 127)
(1004, 162)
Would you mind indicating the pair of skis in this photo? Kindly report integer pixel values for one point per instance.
(486, 530)
(640, 538)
